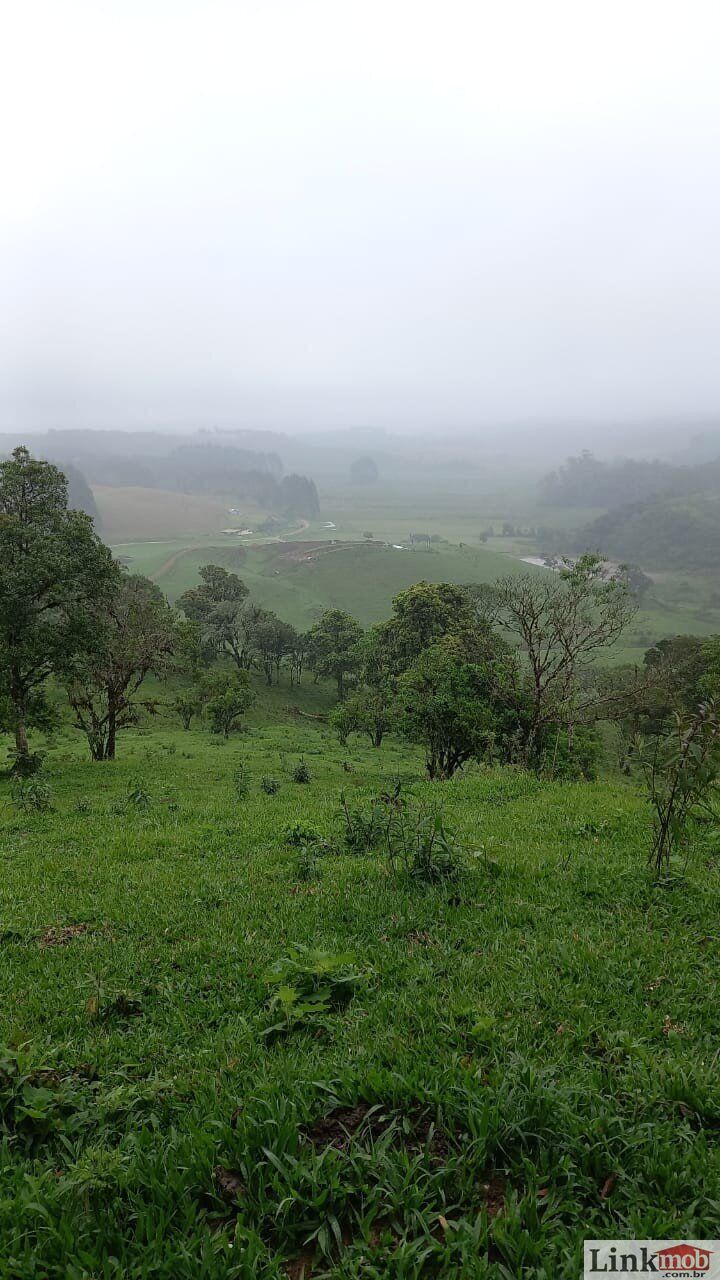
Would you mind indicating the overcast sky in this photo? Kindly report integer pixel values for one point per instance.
(335, 212)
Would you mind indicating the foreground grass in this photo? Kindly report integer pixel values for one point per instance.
(539, 1039)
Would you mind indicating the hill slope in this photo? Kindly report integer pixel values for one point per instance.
(299, 580)
(158, 513)
(666, 533)
(525, 1058)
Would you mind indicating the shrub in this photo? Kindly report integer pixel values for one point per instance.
(138, 795)
(298, 835)
(363, 828)
(680, 770)
(307, 985)
(32, 796)
(307, 864)
(270, 786)
(312, 846)
(419, 844)
(344, 721)
(573, 760)
(25, 766)
(240, 782)
(301, 771)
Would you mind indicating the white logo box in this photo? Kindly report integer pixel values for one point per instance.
(667, 1259)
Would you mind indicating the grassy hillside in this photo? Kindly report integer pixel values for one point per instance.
(159, 513)
(526, 1058)
(299, 579)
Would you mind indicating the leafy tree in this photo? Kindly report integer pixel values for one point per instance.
(422, 614)
(221, 609)
(188, 704)
(218, 587)
(681, 768)
(296, 656)
(228, 696)
(137, 634)
(299, 496)
(678, 667)
(638, 582)
(364, 471)
(272, 640)
(561, 622)
(332, 647)
(80, 496)
(454, 707)
(368, 710)
(53, 570)
(344, 720)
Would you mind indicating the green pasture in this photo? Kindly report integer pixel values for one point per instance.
(528, 1057)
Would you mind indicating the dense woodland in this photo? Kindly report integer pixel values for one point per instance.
(660, 515)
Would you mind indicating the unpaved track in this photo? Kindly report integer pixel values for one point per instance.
(172, 560)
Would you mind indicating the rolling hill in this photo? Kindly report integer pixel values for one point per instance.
(301, 579)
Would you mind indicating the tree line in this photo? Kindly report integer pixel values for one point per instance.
(587, 481)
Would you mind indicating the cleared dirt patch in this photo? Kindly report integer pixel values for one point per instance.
(415, 1129)
(298, 552)
(61, 935)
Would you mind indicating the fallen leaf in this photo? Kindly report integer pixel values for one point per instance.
(229, 1183)
(608, 1186)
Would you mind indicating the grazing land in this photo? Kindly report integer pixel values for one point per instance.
(276, 1004)
(143, 514)
(527, 1056)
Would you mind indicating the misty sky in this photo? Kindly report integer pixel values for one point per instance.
(335, 212)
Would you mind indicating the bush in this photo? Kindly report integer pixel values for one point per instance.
(307, 864)
(307, 985)
(425, 849)
(419, 844)
(415, 838)
(312, 846)
(138, 795)
(681, 770)
(363, 829)
(25, 766)
(270, 786)
(298, 835)
(32, 796)
(241, 783)
(571, 761)
(301, 772)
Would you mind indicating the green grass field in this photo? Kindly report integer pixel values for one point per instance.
(299, 579)
(528, 1057)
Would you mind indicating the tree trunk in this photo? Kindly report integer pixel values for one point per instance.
(111, 729)
(21, 741)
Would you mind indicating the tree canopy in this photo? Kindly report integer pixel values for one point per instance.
(54, 570)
